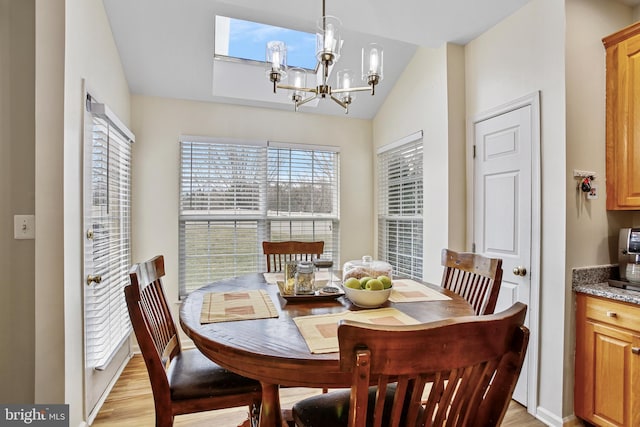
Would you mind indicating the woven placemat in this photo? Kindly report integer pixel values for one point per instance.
(407, 290)
(321, 331)
(231, 306)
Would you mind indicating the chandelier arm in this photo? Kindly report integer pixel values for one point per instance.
(304, 101)
(351, 89)
(299, 89)
(339, 102)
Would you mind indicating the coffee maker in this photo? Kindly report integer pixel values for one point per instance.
(628, 249)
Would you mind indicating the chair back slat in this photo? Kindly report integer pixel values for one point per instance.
(152, 320)
(474, 277)
(278, 253)
(464, 374)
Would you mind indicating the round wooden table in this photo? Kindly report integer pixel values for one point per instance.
(273, 351)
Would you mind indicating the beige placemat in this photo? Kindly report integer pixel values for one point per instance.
(321, 276)
(407, 290)
(321, 331)
(230, 306)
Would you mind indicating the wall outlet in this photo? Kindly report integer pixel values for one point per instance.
(24, 226)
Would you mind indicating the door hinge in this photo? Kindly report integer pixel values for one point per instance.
(474, 151)
(473, 247)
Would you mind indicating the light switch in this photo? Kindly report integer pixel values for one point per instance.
(24, 227)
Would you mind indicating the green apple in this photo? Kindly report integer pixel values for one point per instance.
(374, 285)
(386, 281)
(352, 282)
(364, 280)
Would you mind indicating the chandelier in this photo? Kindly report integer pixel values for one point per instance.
(328, 47)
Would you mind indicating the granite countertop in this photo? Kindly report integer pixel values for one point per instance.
(594, 281)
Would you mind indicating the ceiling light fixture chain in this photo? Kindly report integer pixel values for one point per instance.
(328, 47)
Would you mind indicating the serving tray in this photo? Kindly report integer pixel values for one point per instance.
(322, 294)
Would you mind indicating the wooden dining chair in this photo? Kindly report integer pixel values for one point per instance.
(475, 277)
(454, 372)
(182, 381)
(277, 253)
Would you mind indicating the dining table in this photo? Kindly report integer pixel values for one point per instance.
(273, 350)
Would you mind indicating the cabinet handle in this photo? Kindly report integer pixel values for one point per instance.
(635, 350)
(612, 314)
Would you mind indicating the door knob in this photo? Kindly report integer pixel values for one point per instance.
(519, 271)
(93, 279)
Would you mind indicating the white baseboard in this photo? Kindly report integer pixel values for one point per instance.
(94, 413)
(552, 419)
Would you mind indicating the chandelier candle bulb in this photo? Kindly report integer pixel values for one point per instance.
(329, 42)
(373, 63)
(373, 56)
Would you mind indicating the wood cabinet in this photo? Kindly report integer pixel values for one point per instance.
(607, 364)
(623, 119)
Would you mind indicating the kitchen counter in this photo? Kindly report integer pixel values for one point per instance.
(593, 281)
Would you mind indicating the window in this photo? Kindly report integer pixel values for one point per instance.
(239, 39)
(400, 209)
(234, 195)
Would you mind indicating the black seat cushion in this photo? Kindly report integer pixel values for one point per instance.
(192, 375)
(332, 409)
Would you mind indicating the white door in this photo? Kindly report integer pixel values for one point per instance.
(107, 231)
(502, 208)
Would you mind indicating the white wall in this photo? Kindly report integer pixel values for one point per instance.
(49, 289)
(429, 97)
(159, 122)
(65, 55)
(521, 55)
(17, 187)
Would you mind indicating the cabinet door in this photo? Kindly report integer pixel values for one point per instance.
(628, 141)
(623, 116)
(611, 376)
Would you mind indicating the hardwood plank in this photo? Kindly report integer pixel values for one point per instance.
(130, 404)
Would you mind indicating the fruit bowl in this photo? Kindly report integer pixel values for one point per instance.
(367, 298)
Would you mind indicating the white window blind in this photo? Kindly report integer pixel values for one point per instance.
(221, 207)
(108, 251)
(303, 195)
(234, 195)
(400, 209)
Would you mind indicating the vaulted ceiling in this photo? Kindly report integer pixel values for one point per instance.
(167, 46)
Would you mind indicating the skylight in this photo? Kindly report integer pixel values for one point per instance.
(236, 38)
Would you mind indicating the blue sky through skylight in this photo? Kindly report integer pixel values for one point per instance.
(248, 40)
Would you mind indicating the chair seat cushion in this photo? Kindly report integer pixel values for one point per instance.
(192, 375)
(332, 409)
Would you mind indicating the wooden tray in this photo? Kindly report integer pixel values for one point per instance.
(318, 295)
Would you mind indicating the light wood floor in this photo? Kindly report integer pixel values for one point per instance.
(130, 403)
